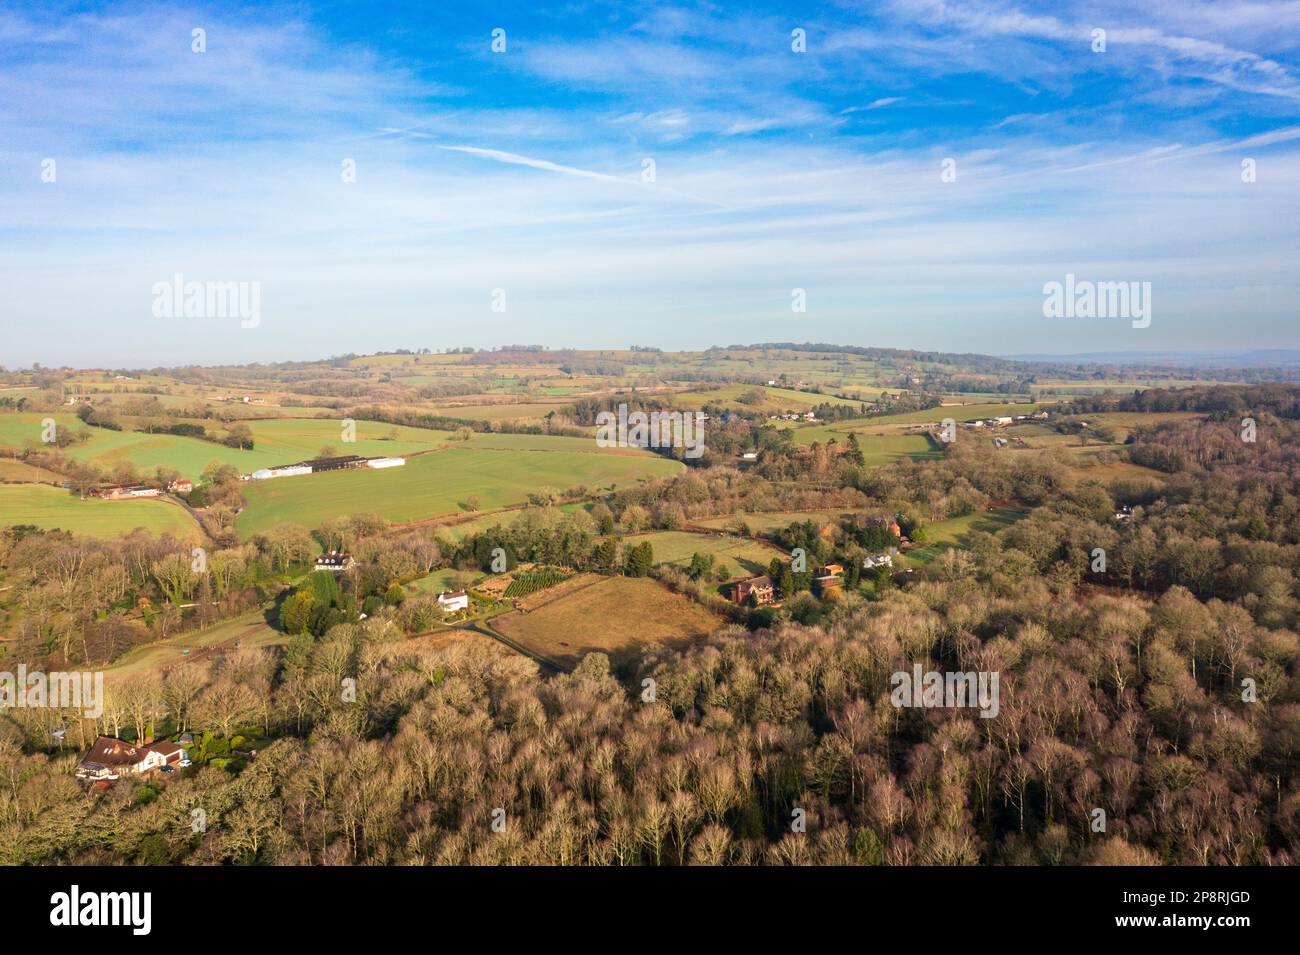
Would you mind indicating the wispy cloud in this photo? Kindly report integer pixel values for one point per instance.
(514, 159)
(874, 104)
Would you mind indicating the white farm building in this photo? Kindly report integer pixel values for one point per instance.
(320, 465)
(262, 474)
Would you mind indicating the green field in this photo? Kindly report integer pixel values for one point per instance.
(955, 532)
(458, 527)
(741, 557)
(21, 472)
(276, 441)
(248, 630)
(770, 521)
(436, 484)
(501, 412)
(435, 583)
(877, 449)
(51, 507)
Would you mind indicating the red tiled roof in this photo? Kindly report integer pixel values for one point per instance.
(108, 751)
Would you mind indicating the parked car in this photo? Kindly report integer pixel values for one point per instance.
(184, 763)
(169, 769)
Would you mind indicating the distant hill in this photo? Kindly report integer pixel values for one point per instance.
(1256, 357)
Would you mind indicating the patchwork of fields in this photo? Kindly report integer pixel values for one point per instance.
(774, 399)
(486, 479)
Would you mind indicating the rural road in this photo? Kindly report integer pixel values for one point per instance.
(487, 630)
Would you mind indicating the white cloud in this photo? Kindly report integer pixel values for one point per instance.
(874, 104)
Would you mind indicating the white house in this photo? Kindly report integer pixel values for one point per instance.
(385, 462)
(878, 560)
(453, 600)
(334, 560)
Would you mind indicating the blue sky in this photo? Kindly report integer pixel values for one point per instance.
(523, 171)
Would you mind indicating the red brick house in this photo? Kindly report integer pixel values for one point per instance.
(760, 587)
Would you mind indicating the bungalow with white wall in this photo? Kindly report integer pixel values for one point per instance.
(453, 600)
(110, 758)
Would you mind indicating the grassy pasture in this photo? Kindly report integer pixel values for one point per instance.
(1088, 468)
(51, 507)
(741, 557)
(435, 583)
(617, 616)
(248, 630)
(771, 521)
(533, 410)
(877, 449)
(955, 532)
(458, 528)
(14, 470)
(276, 441)
(436, 484)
